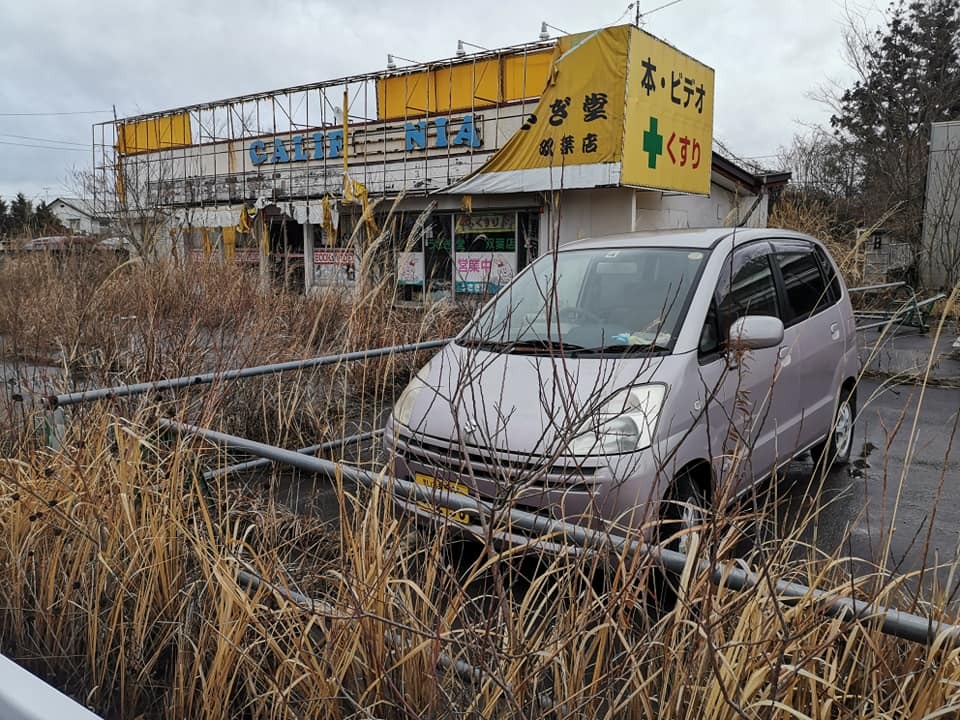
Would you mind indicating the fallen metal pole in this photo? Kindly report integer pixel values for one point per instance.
(892, 622)
(263, 462)
(882, 286)
(75, 398)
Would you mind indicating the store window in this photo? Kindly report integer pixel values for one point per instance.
(485, 257)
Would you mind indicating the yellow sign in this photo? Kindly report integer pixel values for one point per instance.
(154, 134)
(579, 119)
(466, 86)
(669, 131)
(620, 108)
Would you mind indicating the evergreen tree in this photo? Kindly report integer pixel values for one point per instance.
(910, 77)
(45, 222)
(4, 217)
(21, 215)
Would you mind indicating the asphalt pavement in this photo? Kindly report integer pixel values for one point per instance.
(897, 504)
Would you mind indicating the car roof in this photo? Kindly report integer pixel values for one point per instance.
(700, 238)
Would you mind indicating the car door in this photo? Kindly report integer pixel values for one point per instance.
(811, 313)
(745, 398)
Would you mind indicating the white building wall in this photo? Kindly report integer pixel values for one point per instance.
(609, 211)
(940, 259)
(674, 211)
(74, 220)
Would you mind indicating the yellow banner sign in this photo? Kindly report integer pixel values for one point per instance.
(669, 131)
(620, 108)
(161, 133)
(579, 118)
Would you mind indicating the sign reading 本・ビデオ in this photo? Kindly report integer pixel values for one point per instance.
(668, 134)
(621, 108)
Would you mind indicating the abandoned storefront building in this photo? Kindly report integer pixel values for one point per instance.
(459, 171)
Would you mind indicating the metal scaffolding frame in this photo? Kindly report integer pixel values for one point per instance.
(217, 168)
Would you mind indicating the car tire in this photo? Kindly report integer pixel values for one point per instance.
(685, 508)
(836, 449)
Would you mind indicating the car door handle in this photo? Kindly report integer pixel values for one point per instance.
(784, 353)
(835, 331)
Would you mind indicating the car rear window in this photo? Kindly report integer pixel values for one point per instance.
(804, 285)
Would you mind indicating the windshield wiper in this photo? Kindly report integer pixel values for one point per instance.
(551, 345)
(481, 344)
(624, 349)
(520, 346)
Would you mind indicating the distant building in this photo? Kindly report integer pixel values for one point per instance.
(940, 259)
(78, 216)
(512, 151)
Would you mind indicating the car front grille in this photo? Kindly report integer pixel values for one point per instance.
(498, 466)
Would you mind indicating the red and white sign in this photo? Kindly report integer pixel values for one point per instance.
(410, 270)
(335, 256)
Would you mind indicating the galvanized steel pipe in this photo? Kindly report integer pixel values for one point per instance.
(262, 462)
(892, 622)
(75, 398)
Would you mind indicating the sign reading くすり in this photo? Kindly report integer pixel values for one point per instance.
(669, 130)
(620, 108)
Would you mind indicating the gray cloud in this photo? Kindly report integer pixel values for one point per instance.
(64, 56)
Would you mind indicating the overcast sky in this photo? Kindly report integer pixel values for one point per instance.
(74, 57)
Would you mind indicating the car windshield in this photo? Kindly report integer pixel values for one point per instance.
(592, 301)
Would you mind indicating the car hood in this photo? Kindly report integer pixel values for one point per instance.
(522, 403)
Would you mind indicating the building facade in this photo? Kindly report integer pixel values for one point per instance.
(78, 216)
(940, 256)
(450, 175)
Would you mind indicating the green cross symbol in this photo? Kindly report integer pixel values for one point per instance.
(652, 143)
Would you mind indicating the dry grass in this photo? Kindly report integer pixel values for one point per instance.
(119, 584)
(118, 566)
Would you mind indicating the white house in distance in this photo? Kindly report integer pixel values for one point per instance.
(78, 216)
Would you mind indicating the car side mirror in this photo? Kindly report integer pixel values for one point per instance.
(755, 332)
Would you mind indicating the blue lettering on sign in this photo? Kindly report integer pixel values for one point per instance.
(335, 141)
(468, 133)
(279, 152)
(416, 136)
(298, 153)
(441, 124)
(258, 155)
(330, 145)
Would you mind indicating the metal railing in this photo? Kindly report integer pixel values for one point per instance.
(909, 313)
(75, 398)
(891, 621)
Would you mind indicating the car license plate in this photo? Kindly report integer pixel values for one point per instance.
(448, 485)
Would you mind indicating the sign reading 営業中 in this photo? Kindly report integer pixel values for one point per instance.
(483, 272)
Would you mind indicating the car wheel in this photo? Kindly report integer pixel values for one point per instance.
(835, 450)
(685, 513)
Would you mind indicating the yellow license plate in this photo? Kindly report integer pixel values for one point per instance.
(447, 485)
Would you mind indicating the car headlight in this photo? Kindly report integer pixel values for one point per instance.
(624, 424)
(403, 409)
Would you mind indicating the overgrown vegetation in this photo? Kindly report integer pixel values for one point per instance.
(19, 218)
(874, 154)
(118, 564)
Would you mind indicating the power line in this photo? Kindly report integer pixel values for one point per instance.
(45, 147)
(46, 140)
(48, 114)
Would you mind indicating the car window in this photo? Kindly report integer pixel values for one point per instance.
(804, 285)
(746, 287)
(832, 279)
